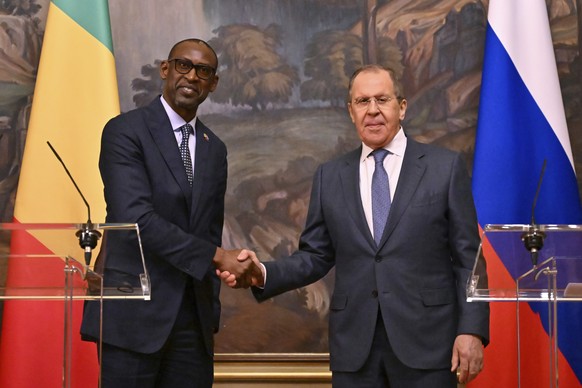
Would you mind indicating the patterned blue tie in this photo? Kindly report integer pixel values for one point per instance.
(185, 151)
(380, 194)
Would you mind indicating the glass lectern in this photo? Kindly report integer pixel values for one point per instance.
(50, 262)
(550, 272)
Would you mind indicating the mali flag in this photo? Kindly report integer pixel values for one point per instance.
(75, 95)
(522, 123)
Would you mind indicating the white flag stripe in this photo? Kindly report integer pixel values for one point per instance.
(527, 37)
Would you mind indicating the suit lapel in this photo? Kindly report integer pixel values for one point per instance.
(161, 130)
(413, 169)
(350, 180)
(201, 161)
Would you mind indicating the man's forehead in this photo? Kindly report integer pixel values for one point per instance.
(372, 81)
(376, 74)
(194, 50)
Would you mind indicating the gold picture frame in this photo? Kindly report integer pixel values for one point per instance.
(274, 369)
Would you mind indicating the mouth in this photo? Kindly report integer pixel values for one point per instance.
(374, 126)
(188, 91)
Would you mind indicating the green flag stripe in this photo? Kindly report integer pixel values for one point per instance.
(92, 15)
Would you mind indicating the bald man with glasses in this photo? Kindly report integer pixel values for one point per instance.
(163, 169)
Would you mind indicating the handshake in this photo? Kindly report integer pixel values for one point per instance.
(239, 268)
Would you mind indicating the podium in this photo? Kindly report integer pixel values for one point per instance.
(46, 262)
(551, 273)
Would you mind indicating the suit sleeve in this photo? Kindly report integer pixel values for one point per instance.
(130, 196)
(314, 258)
(464, 237)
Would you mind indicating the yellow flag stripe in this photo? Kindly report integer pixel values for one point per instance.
(75, 95)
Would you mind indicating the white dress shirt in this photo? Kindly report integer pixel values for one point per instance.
(392, 165)
(177, 122)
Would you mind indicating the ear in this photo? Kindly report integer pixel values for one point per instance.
(164, 67)
(350, 111)
(214, 83)
(403, 106)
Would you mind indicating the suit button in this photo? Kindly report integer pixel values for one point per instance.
(375, 293)
(378, 259)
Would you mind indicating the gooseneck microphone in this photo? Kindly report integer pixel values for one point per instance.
(533, 239)
(87, 235)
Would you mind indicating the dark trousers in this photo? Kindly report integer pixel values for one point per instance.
(182, 362)
(383, 369)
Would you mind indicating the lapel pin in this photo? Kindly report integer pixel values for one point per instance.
(205, 137)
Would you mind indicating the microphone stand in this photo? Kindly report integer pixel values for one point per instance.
(533, 239)
(87, 235)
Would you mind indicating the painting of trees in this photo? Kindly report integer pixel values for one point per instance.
(252, 72)
(332, 56)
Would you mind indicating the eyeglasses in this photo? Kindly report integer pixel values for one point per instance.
(184, 66)
(364, 102)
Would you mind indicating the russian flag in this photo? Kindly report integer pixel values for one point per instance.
(522, 123)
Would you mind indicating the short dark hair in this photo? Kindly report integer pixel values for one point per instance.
(193, 40)
(398, 88)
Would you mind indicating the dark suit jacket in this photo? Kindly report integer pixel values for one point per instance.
(145, 183)
(416, 277)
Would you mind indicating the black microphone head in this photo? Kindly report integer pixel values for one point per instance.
(88, 238)
(533, 241)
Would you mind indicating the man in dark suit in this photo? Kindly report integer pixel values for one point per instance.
(398, 315)
(163, 169)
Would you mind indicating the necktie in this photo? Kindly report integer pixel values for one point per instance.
(185, 151)
(380, 194)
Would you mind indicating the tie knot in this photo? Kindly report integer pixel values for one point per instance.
(186, 130)
(380, 154)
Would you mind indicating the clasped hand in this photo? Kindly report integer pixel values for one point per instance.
(238, 268)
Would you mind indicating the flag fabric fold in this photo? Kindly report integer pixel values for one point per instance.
(521, 124)
(75, 95)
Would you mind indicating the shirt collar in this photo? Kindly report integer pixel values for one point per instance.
(175, 119)
(397, 146)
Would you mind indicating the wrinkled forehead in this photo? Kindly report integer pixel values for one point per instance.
(373, 82)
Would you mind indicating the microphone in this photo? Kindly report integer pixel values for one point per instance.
(87, 235)
(533, 239)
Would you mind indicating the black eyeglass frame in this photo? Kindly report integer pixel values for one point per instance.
(198, 68)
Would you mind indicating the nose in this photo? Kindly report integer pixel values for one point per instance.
(191, 75)
(373, 106)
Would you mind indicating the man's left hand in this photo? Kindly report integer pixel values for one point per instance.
(467, 357)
